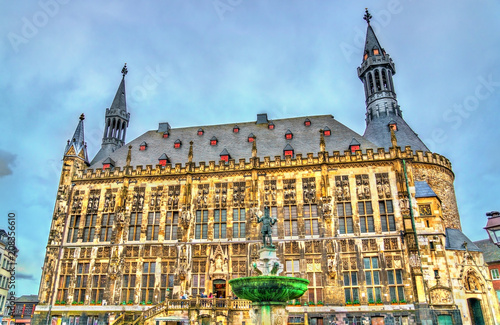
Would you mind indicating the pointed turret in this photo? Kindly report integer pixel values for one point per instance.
(382, 109)
(76, 147)
(116, 122)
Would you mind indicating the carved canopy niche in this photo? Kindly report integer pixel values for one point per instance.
(441, 296)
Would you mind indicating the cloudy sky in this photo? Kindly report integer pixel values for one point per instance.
(202, 62)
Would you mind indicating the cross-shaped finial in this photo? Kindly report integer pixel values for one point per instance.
(367, 16)
(82, 117)
(124, 70)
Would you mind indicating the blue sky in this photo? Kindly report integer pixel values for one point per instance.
(221, 61)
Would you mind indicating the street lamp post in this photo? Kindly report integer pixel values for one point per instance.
(493, 226)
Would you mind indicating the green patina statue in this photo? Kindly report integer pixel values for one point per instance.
(267, 225)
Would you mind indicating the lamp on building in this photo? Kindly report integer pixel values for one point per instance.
(493, 226)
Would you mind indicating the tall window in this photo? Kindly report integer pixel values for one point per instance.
(350, 279)
(82, 274)
(315, 277)
(89, 227)
(134, 228)
(395, 277)
(153, 226)
(290, 220)
(372, 275)
(74, 223)
(201, 224)
(387, 216)
(167, 279)
(292, 267)
(128, 283)
(171, 224)
(273, 213)
(239, 220)
(311, 219)
(366, 216)
(148, 281)
(344, 211)
(494, 274)
(220, 219)
(198, 284)
(107, 226)
(98, 282)
(64, 279)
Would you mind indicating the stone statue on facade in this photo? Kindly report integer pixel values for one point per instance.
(267, 228)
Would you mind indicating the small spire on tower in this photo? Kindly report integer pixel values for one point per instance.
(367, 16)
(124, 70)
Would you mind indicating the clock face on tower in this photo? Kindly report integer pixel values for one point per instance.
(425, 210)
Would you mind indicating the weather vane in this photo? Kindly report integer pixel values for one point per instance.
(124, 70)
(367, 16)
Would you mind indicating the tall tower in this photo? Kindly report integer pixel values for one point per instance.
(382, 110)
(116, 122)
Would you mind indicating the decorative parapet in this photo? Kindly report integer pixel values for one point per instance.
(278, 162)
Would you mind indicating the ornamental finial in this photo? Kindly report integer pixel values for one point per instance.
(82, 117)
(124, 70)
(367, 16)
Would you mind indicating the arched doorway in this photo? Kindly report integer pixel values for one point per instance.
(475, 311)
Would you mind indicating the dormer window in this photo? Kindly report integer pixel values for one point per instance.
(165, 135)
(200, 131)
(288, 151)
(289, 135)
(393, 126)
(366, 56)
(236, 129)
(163, 160)
(375, 52)
(177, 144)
(143, 146)
(270, 126)
(213, 141)
(307, 122)
(251, 137)
(327, 132)
(355, 145)
(108, 163)
(224, 155)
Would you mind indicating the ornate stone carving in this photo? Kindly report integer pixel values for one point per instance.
(269, 192)
(93, 202)
(76, 206)
(174, 192)
(309, 190)
(138, 199)
(289, 194)
(404, 204)
(202, 196)
(239, 194)
(220, 195)
(383, 186)
(218, 263)
(155, 199)
(186, 217)
(471, 281)
(363, 187)
(441, 296)
(342, 189)
(332, 268)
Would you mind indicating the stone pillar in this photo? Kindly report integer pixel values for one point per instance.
(270, 313)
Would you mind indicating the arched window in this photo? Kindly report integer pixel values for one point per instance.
(377, 80)
(384, 79)
(370, 83)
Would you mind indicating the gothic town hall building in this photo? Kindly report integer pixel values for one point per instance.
(370, 220)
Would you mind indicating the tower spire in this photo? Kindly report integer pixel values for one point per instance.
(382, 110)
(116, 122)
(76, 147)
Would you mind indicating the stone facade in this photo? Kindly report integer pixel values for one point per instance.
(373, 226)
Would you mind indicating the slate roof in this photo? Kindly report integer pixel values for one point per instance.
(270, 143)
(491, 252)
(371, 42)
(377, 131)
(422, 189)
(455, 240)
(28, 298)
(77, 142)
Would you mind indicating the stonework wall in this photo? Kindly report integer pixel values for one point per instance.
(441, 181)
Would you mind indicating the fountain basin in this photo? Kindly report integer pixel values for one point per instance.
(269, 288)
